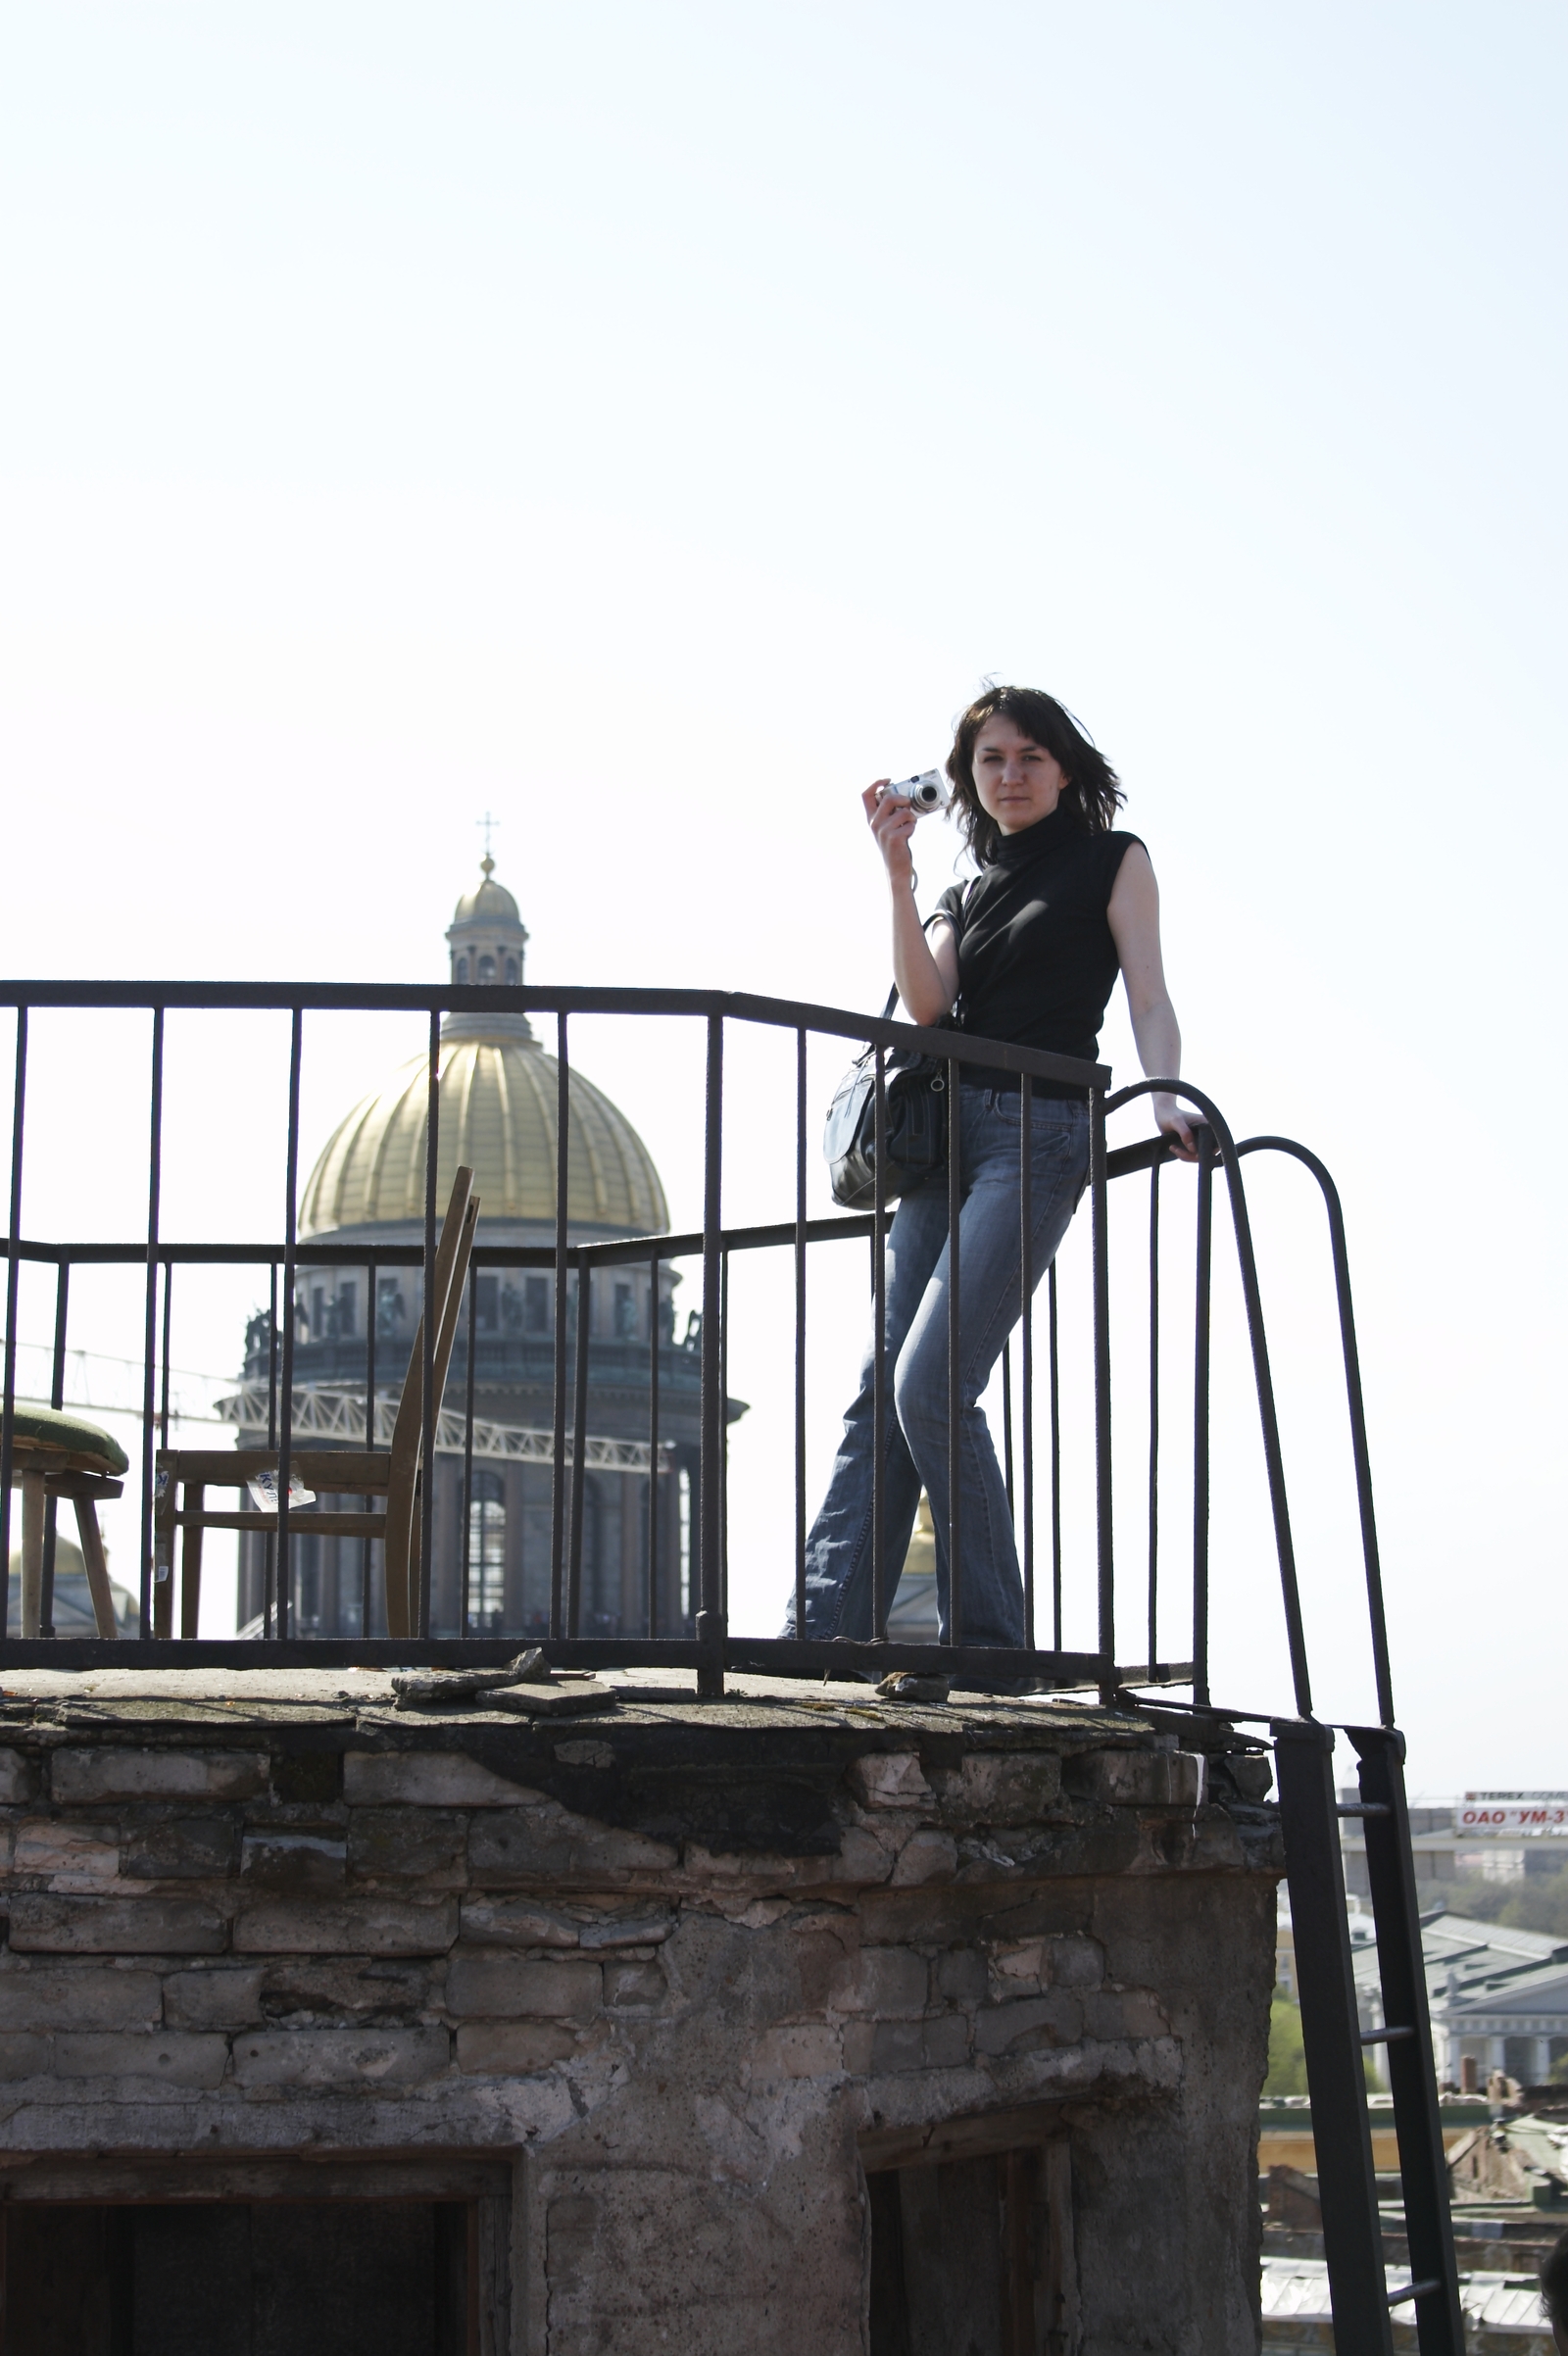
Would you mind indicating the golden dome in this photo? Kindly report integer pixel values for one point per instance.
(498, 1100)
(488, 903)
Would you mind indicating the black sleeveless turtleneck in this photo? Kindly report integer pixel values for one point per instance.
(1037, 963)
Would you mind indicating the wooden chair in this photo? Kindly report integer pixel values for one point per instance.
(57, 1454)
(185, 1474)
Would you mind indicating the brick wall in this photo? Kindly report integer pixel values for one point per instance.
(356, 1936)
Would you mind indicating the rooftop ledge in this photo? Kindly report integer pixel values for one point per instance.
(774, 1769)
(650, 1703)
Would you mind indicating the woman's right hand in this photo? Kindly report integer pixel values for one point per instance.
(892, 822)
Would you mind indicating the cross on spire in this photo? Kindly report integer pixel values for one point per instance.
(488, 822)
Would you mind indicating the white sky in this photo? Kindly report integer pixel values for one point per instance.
(650, 424)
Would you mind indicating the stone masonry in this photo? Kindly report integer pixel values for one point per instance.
(688, 1970)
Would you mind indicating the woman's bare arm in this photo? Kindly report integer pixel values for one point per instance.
(1133, 918)
(926, 965)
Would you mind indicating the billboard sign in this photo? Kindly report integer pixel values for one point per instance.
(1511, 1815)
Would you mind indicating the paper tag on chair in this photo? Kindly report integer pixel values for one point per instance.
(263, 1488)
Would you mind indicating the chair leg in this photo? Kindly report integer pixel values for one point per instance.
(190, 1563)
(92, 1556)
(165, 1500)
(164, 1604)
(33, 1497)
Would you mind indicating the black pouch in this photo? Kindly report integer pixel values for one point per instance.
(916, 1128)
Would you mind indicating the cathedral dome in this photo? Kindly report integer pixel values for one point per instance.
(499, 1093)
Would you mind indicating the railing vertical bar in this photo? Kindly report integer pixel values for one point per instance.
(1027, 1256)
(1382, 1671)
(270, 1542)
(799, 1333)
(8, 1398)
(1153, 1655)
(723, 1460)
(1269, 1418)
(1006, 1428)
(1104, 1501)
(653, 1445)
(710, 1630)
(1355, 1407)
(466, 1615)
(1053, 1354)
(579, 1445)
(163, 1404)
(955, 1403)
(1201, 1341)
(421, 1613)
(370, 1312)
(285, 1569)
(57, 1399)
(558, 1482)
(155, 1158)
(879, 1354)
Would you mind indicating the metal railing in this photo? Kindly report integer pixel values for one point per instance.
(707, 1644)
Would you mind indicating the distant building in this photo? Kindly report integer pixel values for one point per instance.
(498, 1104)
(1498, 1995)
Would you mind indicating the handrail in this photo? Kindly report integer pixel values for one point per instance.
(736, 1005)
(1268, 1413)
(1356, 1405)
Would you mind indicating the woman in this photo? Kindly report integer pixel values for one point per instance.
(1029, 951)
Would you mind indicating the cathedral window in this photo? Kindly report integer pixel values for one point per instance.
(461, 974)
(488, 970)
(514, 977)
(536, 1304)
(487, 1550)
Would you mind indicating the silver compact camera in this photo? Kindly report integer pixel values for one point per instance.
(926, 794)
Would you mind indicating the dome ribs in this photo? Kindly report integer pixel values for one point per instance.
(542, 1164)
(327, 1181)
(497, 1114)
(583, 1103)
(381, 1148)
(511, 1191)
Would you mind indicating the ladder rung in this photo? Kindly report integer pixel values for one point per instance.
(1364, 1807)
(1412, 2290)
(1380, 2037)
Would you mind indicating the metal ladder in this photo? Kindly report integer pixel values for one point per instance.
(1334, 2041)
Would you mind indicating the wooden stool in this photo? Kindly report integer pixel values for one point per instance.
(57, 1454)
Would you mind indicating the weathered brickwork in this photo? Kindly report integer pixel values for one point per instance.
(682, 1964)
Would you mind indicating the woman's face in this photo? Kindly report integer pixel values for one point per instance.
(1017, 781)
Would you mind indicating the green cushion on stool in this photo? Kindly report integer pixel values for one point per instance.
(56, 1427)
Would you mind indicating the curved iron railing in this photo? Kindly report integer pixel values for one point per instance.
(706, 1643)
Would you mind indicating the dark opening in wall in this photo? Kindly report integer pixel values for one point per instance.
(239, 2279)
(971, 2255)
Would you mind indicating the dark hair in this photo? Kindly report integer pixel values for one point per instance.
(1093, 790)
(1554, 2281)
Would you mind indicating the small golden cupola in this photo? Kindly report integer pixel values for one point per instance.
(499, 1095)
(486, 941)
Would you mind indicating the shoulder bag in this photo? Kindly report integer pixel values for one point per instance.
(915, 1122)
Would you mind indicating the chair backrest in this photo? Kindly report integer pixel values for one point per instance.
(408, 1432)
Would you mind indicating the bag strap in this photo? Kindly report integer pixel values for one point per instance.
(943, 915)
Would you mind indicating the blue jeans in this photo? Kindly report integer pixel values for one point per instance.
(837, 1550)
